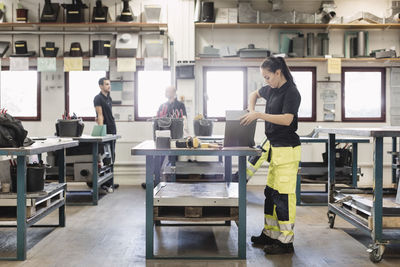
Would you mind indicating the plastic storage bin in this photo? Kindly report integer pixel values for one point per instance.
(175, 125)
(203, 127)
(69, 128)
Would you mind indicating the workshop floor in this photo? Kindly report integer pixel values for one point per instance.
(113, 234)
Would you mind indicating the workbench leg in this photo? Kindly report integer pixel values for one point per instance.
(61, 179)
(149, 207)
(377, 201)
(95, 176)
(394, 149)
(242, 207)
(298, 187)
(354, 164)
(158, 162)
(228, 169)
(331, 167)
(112, 147)
(21, 208)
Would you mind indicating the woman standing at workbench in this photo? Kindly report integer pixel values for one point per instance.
(283, 150)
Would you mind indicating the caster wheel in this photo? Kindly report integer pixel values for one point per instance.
(90, 184)
(331, 219)
(157, 223)
(376, 253)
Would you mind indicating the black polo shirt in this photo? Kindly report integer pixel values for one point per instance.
(176, 109)
(285, 99)
(105, 102)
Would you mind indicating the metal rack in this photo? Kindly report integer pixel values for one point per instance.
(147, 148)
(37, 148)
(367, 211)
(320, 168)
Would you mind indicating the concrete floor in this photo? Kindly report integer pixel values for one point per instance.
(113, 234)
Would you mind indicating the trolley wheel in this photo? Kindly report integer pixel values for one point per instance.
(376, 252)
(331, 219)
(90, 184)
(157, 223)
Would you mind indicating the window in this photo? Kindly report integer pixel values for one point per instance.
(150, 93)
(224, 89)
(20, 94)
(305, 80)
(363, 94)
(81, 88)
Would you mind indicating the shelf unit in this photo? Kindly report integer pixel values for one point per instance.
(96, 25)
(212, 25)
(298, 59)
(283, 26)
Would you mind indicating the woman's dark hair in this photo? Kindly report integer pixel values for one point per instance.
(273, 64)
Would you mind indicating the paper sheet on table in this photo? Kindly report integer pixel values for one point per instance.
(126, 64)
(153, 63)
(73, 64)
(99, 63)
(334, 65)
(46, 64)
(19, 63)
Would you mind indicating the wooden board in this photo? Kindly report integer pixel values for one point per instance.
(10, 212)
(387, 222)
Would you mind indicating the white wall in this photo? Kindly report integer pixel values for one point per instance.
(189, 42)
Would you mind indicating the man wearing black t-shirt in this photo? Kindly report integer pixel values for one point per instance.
(103, 105)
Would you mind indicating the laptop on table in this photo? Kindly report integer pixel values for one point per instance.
(237, 135)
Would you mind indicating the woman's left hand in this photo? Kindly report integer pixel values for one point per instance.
(248, 118)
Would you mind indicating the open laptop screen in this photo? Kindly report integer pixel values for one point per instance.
(236, 134)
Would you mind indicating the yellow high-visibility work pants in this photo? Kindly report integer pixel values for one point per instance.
(280, 193)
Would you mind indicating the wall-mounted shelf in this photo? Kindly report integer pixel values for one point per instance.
(84, 25)
(210, 25)
(298, 59)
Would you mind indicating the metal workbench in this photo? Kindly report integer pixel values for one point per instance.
(373, 204)
(95, 141)
(56, 144)
(147, 148)
(305, 140)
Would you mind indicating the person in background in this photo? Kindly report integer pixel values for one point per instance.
(173, 108)
(282, 150)
(103, 105)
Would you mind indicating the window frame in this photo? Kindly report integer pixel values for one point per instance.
(382, 70)
(210, 68)
(135, 93)
(38, 97)
(313, 70)
(66, 96)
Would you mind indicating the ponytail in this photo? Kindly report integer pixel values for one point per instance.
(273, 64)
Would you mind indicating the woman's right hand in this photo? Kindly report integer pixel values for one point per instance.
(248, 118)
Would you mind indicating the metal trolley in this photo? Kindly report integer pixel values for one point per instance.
(371, 210)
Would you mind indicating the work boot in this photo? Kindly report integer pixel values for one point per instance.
(279, 248)
(262, 239)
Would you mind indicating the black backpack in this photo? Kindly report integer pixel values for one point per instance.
(12, 133)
